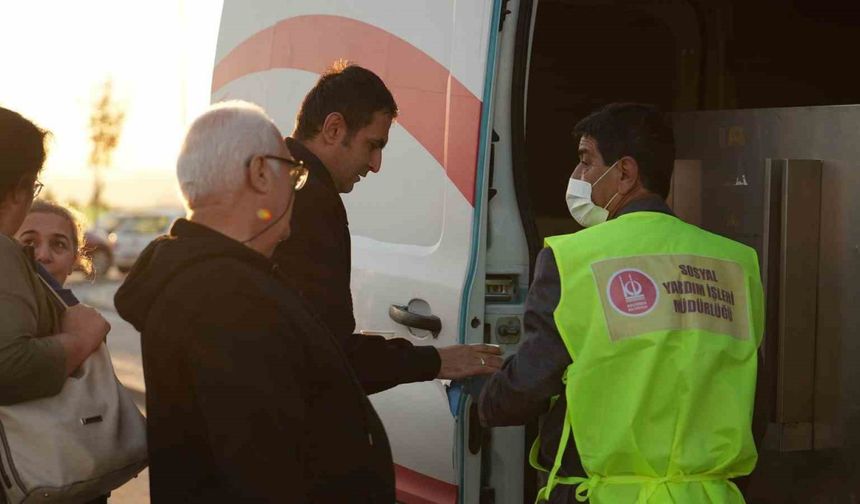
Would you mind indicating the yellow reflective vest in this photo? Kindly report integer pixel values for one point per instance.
(662, 321)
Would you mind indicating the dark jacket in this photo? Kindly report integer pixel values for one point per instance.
(249, 398)
(317, 260)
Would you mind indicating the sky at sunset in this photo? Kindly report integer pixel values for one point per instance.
(54, 57)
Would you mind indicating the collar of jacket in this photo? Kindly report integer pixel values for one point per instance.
(320, 188)
(652, 203)
(316, 167)
(216, 241)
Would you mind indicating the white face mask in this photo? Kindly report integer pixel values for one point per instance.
(579, 202)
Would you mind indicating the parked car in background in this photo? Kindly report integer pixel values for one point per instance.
(135, 231)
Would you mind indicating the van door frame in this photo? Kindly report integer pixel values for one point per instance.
(472, 301)
(519, 160)
(522, 56)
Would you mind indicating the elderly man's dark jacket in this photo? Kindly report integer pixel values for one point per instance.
(249, 397)
(317, 261)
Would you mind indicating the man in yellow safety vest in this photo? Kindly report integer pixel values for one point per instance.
(642, 331)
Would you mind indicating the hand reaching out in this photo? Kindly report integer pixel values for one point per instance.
(461, 361)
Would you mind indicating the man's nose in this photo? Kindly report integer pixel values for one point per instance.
(376, 162)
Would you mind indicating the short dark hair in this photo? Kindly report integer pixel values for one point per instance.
(22, 151)
(353, 91)
(636, 130)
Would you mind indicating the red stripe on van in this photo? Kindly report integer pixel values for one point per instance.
(416, 488)
(435, 108)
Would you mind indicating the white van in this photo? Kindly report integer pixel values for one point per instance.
(419, 230)
(451, 226)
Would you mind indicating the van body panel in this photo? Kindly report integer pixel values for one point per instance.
(417, 229)
(428, 25)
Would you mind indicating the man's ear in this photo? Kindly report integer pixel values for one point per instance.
(22, 194)
(260, 177)
(629, 170)
(333, 128)
(18, 196)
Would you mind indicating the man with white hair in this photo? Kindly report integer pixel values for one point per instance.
(249, 397)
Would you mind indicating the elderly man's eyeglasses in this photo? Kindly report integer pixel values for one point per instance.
(296, 168)
(37, 189)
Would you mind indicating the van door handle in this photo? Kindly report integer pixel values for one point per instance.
(403, 316)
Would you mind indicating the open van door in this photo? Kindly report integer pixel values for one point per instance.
(417, 229)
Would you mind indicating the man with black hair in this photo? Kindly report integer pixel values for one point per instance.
(340, 132)
(642, 335)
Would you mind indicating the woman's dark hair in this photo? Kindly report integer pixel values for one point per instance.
(22, 151)
(636, 130)
(353, 91)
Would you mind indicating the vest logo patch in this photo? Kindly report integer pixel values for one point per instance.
(645, 294)
(632, 292)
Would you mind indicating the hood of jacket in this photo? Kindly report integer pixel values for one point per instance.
(165, 259)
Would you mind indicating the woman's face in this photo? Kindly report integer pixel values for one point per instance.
(51, 236)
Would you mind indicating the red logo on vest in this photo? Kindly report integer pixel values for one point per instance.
(632, 292)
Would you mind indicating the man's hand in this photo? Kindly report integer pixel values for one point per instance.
(461, 361)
